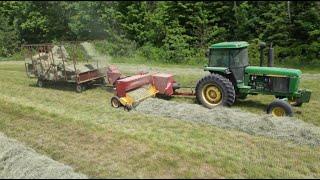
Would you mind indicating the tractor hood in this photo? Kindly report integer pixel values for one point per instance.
(273, 71)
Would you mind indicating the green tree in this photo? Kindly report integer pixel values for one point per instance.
(305, 30)
(9, 38)
(176, 44)
(86, 20)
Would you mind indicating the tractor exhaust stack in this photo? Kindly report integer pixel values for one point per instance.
(262, 45)
(270, 56)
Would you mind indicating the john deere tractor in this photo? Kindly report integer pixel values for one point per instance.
(232, 78)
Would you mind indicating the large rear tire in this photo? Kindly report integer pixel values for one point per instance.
(215, 90)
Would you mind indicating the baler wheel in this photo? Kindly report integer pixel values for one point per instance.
(280, 108)
(115, 102)
(214, 90)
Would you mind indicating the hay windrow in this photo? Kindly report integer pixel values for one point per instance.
(20, 162)
(289, 129)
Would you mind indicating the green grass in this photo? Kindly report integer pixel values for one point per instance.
(14, 57)
(82, 130)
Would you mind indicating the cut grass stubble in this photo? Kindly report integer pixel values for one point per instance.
(82, 130)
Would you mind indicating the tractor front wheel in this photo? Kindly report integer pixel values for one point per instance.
(280, 108)
(214, 90)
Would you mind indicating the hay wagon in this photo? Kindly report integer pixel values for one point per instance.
(53, 63)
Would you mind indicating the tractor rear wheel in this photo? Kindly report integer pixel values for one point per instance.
(214, 90)
(280, 108)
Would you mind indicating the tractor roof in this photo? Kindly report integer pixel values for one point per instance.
(230, 45)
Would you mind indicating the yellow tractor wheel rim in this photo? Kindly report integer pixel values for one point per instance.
(278, 111)
(212, 94)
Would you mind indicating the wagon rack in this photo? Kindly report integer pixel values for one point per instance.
(51, 63)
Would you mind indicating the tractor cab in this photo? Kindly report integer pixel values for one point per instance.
(230, 58)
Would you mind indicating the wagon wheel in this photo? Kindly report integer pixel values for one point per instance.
(40, 83)
(103, 81)
(79, 88)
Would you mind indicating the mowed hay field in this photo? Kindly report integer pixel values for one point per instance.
(86, 133)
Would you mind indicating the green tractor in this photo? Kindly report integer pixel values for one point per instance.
(232, 78)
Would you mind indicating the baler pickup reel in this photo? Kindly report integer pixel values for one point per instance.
(130, 91)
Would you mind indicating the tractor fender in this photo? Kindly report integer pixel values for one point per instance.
(228, 76)
(225, 72)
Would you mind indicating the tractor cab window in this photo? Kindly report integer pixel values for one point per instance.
(235, 59)
(228, 57)
(219, 58)
(239, 57)
(238, 61)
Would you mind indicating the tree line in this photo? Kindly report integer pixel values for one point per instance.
(171, 31)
